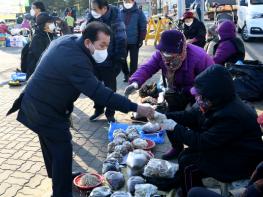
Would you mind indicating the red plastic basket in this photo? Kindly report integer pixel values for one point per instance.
(86, 188)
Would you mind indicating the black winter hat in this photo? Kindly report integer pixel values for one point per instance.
(43, 18)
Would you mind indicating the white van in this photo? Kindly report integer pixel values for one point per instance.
(250, 19)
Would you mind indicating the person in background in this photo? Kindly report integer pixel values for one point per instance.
(4, 28)
(107, 70)
(66, 11)
(70, 22)
(196, 6)
(229, 48)
(54, 13)
(194, 30)
(19, 20)
(47, 101)
(41, 39)
(37, 8)
(136, 24)
(223, 138)
(74, 13)
(179, 62)
(63, 26)
(26, 23)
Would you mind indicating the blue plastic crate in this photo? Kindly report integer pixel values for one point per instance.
(158, 138)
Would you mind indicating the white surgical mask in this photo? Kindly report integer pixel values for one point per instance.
(128, 5)
(52, 27)
(188, 24)
(95, 14)
(32, 12)
(100, 55)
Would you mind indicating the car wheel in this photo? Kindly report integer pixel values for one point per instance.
(244, 34)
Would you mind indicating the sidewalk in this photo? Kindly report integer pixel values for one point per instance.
(22, 168)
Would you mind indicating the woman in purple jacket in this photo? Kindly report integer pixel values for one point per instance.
(229, 48)
(179, 62)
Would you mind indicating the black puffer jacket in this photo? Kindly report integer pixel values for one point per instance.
(227, 138)
(38, 45)
(64, 71)
(196, 31)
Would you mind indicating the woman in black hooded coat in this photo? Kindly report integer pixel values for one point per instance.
(41, 39)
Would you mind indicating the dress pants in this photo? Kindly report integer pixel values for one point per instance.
(133, 49)
(107, 75)
(58, 161)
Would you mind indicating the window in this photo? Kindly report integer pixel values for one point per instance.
(254, 2)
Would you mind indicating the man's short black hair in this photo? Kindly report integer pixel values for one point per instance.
(101, 3)
(93, 29)
(39, 5)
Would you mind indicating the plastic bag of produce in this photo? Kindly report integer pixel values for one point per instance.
(103, 191)
(160, 168)
(132, 181)
(115, 179)
(111, 164)
(115, 155)
(121, 194)
(137, 160)
(145, 190)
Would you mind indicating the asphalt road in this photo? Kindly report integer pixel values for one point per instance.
(255, 49)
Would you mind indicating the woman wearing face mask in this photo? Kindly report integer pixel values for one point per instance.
(221, 132)
(194, 30)
(136, 24)
(179, 62)
(41, 39)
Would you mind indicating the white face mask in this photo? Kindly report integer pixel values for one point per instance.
(52, 27)
(100, 55)
(95, 14)
(128, 5)
(32, 12)
(188, 23)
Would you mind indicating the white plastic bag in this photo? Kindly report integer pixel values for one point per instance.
(145, 190)
(160, 168)
(137, 160)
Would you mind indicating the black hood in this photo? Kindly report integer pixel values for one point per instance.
(216, 85)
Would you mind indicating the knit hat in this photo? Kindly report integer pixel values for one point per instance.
(188, 14)
(172, 41)
(43, 18)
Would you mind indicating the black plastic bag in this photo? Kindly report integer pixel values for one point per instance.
(248, 81)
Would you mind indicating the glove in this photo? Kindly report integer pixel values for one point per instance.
(145, 110)
(168, 124)
(131, 88)
(160, 97)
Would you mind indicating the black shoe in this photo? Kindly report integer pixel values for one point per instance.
(96, 115)
(110, 119)
(126, 78)
(75, 174)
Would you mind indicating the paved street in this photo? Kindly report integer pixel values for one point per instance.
(21, 164)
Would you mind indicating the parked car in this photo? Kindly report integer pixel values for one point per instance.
(250, 19)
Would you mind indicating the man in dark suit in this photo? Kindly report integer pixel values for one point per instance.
(64, 71)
